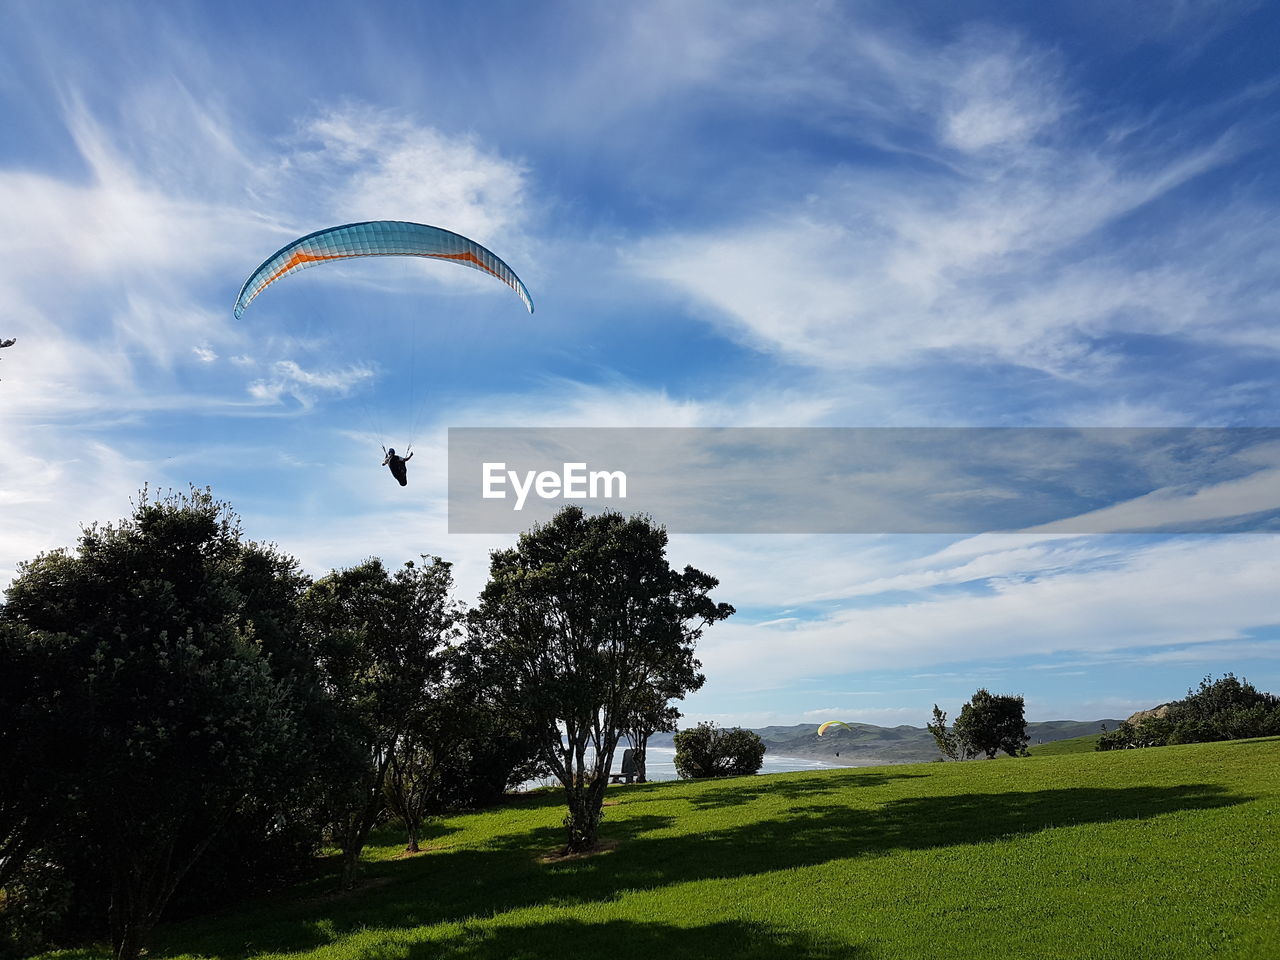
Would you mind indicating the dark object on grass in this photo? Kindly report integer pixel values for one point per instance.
(628, 768)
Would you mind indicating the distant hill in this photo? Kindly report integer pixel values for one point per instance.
(870, 745)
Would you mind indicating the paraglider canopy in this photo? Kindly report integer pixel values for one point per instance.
(376, 238)
(834, 723)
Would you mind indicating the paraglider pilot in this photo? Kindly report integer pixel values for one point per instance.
(397, 465)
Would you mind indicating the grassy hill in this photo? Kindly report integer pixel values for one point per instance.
(1074, 745)
(1165, 853)
(869, 744)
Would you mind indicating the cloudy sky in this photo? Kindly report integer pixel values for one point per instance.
(728, 214)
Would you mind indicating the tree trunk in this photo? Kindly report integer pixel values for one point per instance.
(406, 798)
(583, 822)
(129, 914)
(353, 843)
(358, 822)
(584, 789)
(350, 866)
(142, 881)
(126, 941)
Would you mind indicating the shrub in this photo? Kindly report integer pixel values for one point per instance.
(708, 751)
(1226, 709)
(33, 907)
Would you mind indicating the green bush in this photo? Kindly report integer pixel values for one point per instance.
(1226, 709)
(708, 751)
(33, 907)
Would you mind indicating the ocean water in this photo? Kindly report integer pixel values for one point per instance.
(660, 764)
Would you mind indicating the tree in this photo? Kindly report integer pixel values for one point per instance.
(151, 626)
(651, 713)
(41, 751)
(1225, 709)
(410, 781)
(380, 640)
(989, 723)
(708, 751)
(580, 618)
(419, 759)
(952, 747)
(480, 748)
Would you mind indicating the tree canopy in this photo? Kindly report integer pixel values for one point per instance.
(1223, 709)
(149, 629)
(382, 640)
(585, 617)
(987, 724)
(990, 723)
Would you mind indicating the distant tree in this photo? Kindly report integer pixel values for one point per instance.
(457, 753)
(495, 747)
(651, 713)
(410, 779)
(150, 626)
(579, 618)
(989, 723)
(1124, 736)
(952, 747)
(495, 752)
(380, 640)
(1224, 709)
(710, 751)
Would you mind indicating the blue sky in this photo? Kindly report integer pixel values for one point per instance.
(728, 214)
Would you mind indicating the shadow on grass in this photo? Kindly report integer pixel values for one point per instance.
(393, 834)
(469, 883)
(624, 939)
(546, 839)
(736, 794)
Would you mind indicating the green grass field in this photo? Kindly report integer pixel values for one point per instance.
(1075, 745)
(1163, 853)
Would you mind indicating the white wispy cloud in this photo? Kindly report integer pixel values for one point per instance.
(117, 282)
(1005, 248)
(290, 379)
(378, 165)
(1184, 506)
(53, 481)
(1172, 593)
(971, 203)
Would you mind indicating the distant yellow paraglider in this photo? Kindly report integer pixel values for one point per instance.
(834, 723)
